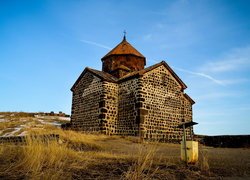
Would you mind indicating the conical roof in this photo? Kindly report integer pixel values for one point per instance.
(124, 48)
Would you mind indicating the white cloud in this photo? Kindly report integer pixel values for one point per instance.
(236, 59)
(226, 65)
(201, 75)
(96, 44)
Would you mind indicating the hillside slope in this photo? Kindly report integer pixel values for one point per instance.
(19, 123)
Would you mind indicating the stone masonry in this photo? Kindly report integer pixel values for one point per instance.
(130, 100)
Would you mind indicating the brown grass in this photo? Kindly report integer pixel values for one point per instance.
(95, 156)
(39, 160)
(142, 167)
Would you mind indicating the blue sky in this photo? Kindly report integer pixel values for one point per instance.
(45, 45)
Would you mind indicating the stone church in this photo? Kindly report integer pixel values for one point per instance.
(127, 99)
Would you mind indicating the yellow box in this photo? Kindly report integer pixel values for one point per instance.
(192, 151)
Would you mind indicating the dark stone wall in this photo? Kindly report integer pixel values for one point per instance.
(108, 108)
(127, 122)
(87, 96)
(163, 106)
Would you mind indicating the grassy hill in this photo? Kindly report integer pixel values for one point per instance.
(94, 156)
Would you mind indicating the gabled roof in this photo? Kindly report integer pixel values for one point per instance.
(102, 75)
(124, 48)
(143, 71)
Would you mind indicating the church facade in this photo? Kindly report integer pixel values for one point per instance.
(127, 99)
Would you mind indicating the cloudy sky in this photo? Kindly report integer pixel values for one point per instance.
(45, 45)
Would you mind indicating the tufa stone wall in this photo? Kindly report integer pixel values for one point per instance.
(87, 97)
(127, 123)
(162, 106)
(108, 108)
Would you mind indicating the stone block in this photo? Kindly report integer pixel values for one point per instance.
(143, 112)
(101, 104)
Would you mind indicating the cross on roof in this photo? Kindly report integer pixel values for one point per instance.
(124, 37)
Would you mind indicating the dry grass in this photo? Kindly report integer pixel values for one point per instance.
(39, 159)
(79, 156)
(203, 161)
(95, 156)
(229, 161)
(142, 167)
